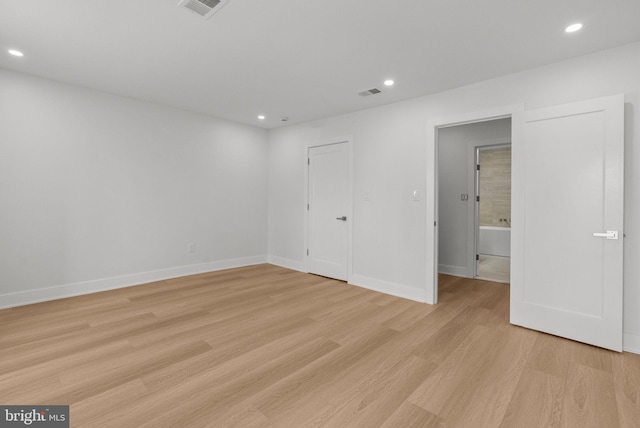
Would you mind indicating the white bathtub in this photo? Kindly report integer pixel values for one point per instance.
(495, 241)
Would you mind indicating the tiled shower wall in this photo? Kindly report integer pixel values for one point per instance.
(495, 187)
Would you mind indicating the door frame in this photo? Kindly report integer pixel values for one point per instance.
(348, 139)
(476, 203)
(433, 125)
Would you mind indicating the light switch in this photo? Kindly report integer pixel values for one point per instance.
(416, 195)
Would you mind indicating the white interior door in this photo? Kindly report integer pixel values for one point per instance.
(567, 187)
(328, 190)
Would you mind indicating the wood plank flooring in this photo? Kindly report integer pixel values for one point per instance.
(264, 346)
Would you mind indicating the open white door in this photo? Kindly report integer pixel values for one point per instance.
(567, 186)
(328, 204)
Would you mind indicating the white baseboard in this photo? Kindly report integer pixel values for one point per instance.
(631, 343)
(87, 287)
(394, 289)
(453, 270)
(287, 263)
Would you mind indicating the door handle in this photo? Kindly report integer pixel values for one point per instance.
(609, 234)
(343, 218)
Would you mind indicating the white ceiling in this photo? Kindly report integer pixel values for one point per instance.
(299, 58)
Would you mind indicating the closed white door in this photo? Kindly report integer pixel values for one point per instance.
(567, 214)
(328, 231)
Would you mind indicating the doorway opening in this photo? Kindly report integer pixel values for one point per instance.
(474, 199)
(493, 212)
(566, 263)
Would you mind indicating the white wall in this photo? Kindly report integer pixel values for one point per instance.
(99, 191)
(389, 228)
(455, 177)
(389, 156)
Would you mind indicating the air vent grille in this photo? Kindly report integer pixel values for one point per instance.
(367, 92)
(210, 3)
(204, 8)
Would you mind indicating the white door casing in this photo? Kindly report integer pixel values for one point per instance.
(567, 184)
(328, 215)
(433, 125)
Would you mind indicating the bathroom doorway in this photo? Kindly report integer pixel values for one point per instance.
(458, 209)
(493, 212)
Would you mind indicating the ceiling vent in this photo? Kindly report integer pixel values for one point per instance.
(367, 92)
(204, 8)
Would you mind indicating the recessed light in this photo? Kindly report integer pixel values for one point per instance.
(389, 82)
(15, 52)
(261, 117)
(573, 28)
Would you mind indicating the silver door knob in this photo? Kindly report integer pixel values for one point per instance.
(343, 218)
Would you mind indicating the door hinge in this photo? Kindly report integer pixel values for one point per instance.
(477, 198)
(307, 251)
(478, 167)
(307, 207)
(477, 256)
(434, 224)
(308, 161)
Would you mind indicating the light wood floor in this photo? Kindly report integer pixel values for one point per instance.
(267, 347)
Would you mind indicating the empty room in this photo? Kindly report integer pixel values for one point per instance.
(237, 213)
